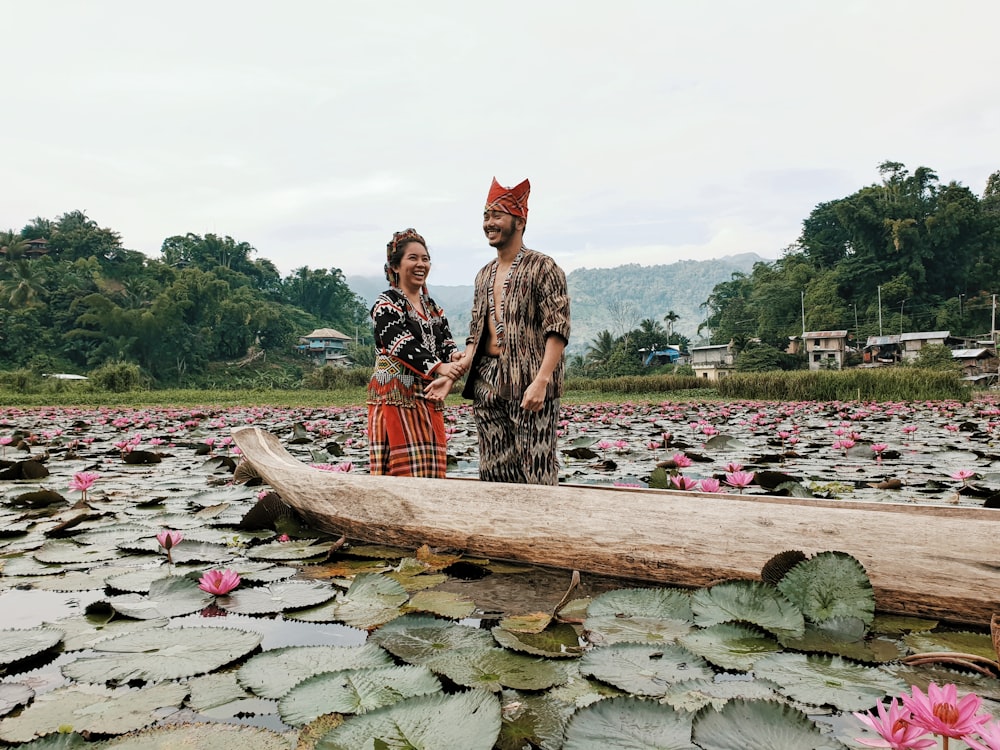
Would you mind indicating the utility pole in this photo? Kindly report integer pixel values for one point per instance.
(803, 315)
(880, 311)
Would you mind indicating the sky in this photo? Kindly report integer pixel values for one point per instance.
(653, 131)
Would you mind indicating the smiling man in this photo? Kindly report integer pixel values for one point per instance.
(514, 353)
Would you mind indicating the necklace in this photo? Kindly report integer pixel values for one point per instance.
(498, 320)
(424, 324)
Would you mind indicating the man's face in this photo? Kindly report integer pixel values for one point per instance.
(499, 227)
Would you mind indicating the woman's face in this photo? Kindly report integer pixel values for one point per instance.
(414, 266)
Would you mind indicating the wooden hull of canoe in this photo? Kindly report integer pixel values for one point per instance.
(933, 561)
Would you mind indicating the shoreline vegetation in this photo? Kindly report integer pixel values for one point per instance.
(880, 385)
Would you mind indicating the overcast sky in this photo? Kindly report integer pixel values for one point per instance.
(652, 130)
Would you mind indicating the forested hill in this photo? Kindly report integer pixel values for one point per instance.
(608, 299)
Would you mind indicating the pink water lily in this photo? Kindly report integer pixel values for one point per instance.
(83, 481)
(963, 475)
(941, 711)
(989, 733)
(680, 460)
(895, 728)
(219, 582)
(710, 484)
(168, 540)
(740, 479)
(682, 482)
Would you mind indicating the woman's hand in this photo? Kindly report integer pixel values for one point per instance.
(438, 389)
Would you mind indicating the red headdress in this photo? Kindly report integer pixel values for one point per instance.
(509, 200)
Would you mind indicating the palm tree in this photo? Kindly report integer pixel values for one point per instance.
(669, 319)
(12, 245)
(601, 348)
(25, 287)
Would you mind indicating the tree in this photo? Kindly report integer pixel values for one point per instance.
(600, 349)
(25, 287)
(670, 318)
(12, 245)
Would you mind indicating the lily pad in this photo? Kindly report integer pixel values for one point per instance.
(276, 597)
(441, 603)
(418, 638)
(354, 691)
(828, 680)
(758, 725)
(168, 597)
(628, 723)
(496, 668)
(87, 708)
(273, 673)
(559, 641)
(749, 601)
(201, 737)
(20, 644)
(643, 669)
(469, 720)
(162, 654)
(828, 585)
(730, 646)
(372, 600)
(297, 549)
(12, 695)
(83, 632)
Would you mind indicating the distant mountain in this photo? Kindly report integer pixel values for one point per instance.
(614, 299)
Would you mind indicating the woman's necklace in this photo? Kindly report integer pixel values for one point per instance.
(419, 314)
(498, 320)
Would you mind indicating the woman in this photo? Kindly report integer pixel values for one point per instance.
(412, 373)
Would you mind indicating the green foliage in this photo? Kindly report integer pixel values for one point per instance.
(764, 357)
(636, 384)
(904, 253)
(936, 357)
(22, 380)
(880, 384)
(89, 301)
(328, 378)
(117, 377)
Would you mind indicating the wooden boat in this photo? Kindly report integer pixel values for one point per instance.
(933, 561)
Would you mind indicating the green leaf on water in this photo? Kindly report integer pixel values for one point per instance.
(20, 644)
(628, 723)
(830, 584)
(469, 720)
(643, 669)
(276, 597)
(162, 654)
(88, 708)
(828, 680)
(758, 725)
(168, 597)
(354, 691)
(748, 601)
(273, 673)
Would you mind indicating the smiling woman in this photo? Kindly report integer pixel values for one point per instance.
(412, 373)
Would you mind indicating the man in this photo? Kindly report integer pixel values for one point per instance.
(514, 354)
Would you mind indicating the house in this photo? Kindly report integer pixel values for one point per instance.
(713, 362)
(975, 362)
(825, 349)
(326, 346)
(881, 350)
(668, 355)
(911, 343)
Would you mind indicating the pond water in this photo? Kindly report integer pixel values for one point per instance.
(65, 562)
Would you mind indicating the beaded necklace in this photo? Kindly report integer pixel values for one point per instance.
(498, 320)
(425, 325)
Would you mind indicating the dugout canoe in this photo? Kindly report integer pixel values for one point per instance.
(937, 561)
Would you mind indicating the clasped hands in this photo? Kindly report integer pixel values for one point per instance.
(447, 373)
